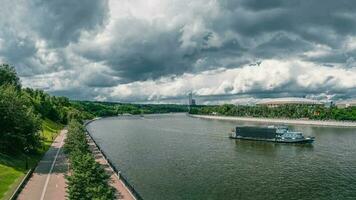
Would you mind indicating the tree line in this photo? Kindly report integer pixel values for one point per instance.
(88, 179)
(315, 112)
(105, 109)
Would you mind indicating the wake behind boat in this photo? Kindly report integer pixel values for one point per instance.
(279, 134)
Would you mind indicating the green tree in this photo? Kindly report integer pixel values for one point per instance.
(8, 76)
(88, 180)
(19, 124)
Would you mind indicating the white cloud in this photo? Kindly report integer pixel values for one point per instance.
(271, 75)
(54, 81)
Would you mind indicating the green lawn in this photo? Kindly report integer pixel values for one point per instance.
(12, 168)
(9, 178)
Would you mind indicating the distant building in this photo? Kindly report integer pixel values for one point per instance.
(272, 103)
(329, 104)
(191, 101)
(346, 104)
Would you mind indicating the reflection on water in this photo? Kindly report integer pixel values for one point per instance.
(271, 148)
(177, 157)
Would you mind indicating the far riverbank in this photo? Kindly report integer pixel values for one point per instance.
(280, 121)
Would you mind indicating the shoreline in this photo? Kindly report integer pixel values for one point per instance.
(328, 123)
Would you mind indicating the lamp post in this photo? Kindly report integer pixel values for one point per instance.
(26, 152)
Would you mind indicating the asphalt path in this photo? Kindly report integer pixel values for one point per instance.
(48, 179)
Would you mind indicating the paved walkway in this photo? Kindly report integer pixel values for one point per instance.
(122, 190)
(48, 181)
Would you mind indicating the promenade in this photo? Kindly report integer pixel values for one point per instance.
(48, 179)
(280, 121)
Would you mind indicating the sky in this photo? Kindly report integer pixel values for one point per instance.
(158, 51)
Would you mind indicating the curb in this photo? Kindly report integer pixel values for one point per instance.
(22, 184)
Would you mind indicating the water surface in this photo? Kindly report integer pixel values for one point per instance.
(175, 157)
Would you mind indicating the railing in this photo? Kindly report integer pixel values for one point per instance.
(22, 184)
(118, 172)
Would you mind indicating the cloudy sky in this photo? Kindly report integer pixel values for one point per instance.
(159, 50)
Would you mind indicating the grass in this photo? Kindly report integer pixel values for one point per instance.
(10, 177)
(12, 168)
(49, 132)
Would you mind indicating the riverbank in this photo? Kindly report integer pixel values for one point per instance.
(280, 121)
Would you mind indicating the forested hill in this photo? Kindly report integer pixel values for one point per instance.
(23, 111)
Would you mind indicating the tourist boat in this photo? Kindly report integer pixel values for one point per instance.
(280, 134)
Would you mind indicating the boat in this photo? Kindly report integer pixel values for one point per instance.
(280, 134)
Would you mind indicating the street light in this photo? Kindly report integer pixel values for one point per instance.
(26, 152)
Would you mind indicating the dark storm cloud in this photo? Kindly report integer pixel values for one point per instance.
(34, 34)
(337, 57)
(158, 56)
(260, 29)
(313, 22)
(16, 48)
(100, 80)
(262, 5)
(323, 22)
(62, 21)
(281, 45)
(148, 55)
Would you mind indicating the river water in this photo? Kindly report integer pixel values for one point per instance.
(173, 156)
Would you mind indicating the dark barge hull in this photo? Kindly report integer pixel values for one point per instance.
(300, 141)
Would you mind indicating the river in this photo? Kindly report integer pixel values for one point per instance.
(174, 156)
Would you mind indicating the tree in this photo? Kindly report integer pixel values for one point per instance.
(88, 180)
(9, 76)
(19, 124)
